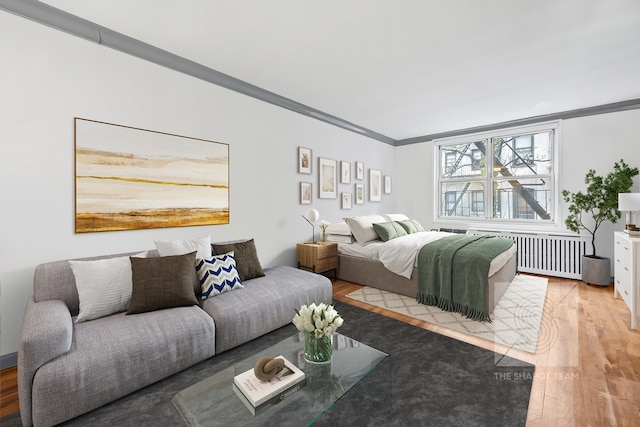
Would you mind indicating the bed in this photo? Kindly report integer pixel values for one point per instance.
(391, 265)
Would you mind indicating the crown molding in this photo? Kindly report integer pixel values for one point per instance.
(631, 104)
(56, 18)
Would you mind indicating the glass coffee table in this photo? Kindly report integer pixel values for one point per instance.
(212, 401)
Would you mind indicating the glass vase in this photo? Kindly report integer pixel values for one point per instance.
(323, 236)
(317, 350)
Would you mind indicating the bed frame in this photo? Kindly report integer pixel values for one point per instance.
(373, 273)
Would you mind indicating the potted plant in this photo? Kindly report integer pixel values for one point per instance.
(600, 202)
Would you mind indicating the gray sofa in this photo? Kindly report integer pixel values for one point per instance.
(66, 368)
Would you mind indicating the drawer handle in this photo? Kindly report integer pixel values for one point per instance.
(626, 293)
(626, 268)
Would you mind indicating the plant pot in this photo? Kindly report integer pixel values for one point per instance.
(596, 270)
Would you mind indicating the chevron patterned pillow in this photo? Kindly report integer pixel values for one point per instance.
(218, 274)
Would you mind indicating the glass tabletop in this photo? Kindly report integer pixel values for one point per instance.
(212, 401)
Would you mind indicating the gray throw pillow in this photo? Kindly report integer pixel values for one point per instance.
(162, 282)
(247, 261)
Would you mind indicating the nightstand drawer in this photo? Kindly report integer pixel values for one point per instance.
(325, 264)
(326, 251)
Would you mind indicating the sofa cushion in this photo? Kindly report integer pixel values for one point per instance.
(247, 261)
(264, 304)
(218, 274)
(113, 356)
(162, 282)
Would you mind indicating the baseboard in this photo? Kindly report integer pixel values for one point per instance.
(8, 360)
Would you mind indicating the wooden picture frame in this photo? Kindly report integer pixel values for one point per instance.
(304, 160)
(305, 193)
(327, 178)
(375, 185)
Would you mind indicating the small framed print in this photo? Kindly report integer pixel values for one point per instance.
(328, 177)
(345, 172)
(375, 185)
(359, 170)
(304, 160)
(346, 200)
(387, 184)
(359, 194)
(305, 193)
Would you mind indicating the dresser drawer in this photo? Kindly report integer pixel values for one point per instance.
(627, 277)
(623, 288)
(622, 252)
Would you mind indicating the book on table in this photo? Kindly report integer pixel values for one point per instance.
(256, 393)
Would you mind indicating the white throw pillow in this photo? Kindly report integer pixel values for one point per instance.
(202, 246)
(104, 286)
(362, 227)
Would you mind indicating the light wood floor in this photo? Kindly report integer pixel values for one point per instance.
(587, 363)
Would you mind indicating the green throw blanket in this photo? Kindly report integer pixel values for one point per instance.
(453, 273)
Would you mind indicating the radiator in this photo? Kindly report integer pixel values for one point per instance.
(548, 254)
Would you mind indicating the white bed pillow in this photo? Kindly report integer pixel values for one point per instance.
(362, 227)
(395, 217)
(202, 246)
(341, 228)
(104, 286)
(340, 238)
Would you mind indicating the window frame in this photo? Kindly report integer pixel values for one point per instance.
(487, 221)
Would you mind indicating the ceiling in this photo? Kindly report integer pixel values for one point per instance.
(402, 68)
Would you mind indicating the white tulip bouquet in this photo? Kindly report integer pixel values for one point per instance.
(319, 319)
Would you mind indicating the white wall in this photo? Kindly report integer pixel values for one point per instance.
(48, 77)
(594, 142)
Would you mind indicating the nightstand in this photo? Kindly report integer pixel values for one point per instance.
(317, 257)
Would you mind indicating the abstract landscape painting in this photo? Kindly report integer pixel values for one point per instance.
(128, 178)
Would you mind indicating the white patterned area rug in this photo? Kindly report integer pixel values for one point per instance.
(515, 320)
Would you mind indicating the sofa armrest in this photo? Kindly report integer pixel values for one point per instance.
(47, 332)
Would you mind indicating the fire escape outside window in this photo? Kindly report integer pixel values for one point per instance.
(498, 177)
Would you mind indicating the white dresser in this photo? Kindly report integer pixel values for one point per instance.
(627, 274)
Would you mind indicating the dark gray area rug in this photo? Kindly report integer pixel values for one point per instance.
(435, 381)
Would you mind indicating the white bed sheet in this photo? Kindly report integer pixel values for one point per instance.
(400, 255)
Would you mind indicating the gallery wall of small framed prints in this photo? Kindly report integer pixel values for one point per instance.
(332, 172)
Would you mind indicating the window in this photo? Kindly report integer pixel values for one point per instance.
(449, 162)
(477, 202)
(476, 160)
(501, 176)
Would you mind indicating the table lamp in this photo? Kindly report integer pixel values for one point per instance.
(312, 216)
(629, 202)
